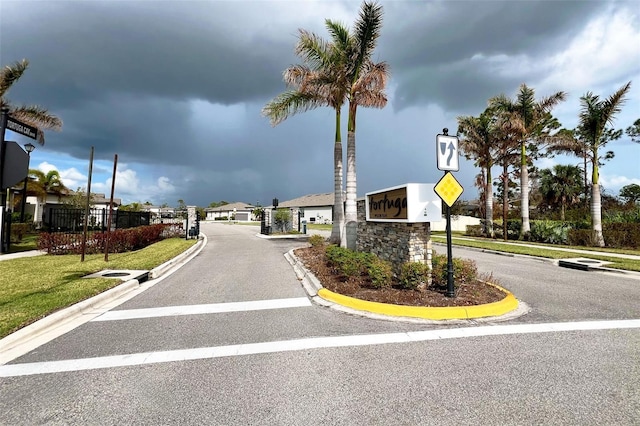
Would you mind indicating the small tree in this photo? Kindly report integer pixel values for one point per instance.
(282, 219)
(630, 193)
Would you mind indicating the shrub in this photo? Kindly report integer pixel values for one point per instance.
(18, 231)
(380, 271)
(120, 240)
(413, 275)
(622, 234)
(513, 229)
(474, 231)
(316, 240)
(549, 231)
(580, 237)
(464, 271)
(357, 264)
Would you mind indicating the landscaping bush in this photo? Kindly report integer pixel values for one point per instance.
(413, 275)
(513, 229)
(316, 240)
(474, 231)
(580, 237)
(120, 240)
(549, 231)
(464, 271)
(358, 264)
(622, 235)
(18, 231)
(380, 271)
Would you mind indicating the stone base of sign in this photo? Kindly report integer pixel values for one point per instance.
(395, 242)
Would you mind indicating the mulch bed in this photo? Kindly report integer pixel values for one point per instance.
(468, 294)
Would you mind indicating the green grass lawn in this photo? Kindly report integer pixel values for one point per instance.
(542, 250)
(28, 242)
(319, 227)
(33, 287)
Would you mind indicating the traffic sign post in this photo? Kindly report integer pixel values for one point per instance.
(447, 152)
(449, 190)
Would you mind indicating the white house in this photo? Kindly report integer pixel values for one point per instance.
(314, 208)
(238, 211)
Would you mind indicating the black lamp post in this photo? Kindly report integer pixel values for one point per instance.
(29, 147)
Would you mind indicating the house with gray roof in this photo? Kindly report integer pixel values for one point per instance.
(235, 211)
(314, 208)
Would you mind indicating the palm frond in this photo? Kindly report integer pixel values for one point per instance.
(289, 103)
(314, 50)
(10, 74)
(366, 33)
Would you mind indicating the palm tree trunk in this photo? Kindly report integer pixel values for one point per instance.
(505, 199)
(351, 212)
(351, 209)
(337, 229)
(488, 195)
(524, 193)
(596, 208)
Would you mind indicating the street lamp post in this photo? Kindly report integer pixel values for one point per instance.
(29, 147)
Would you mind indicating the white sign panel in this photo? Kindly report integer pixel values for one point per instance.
(447, 153)
(409, 203)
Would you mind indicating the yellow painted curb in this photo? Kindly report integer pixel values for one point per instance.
(501, 307)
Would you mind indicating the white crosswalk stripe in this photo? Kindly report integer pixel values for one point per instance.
(214, 308)
(26, 369)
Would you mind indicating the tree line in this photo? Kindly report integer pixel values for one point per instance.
(512, 133)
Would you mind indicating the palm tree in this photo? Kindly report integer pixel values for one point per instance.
(595, 115)
(367, 83)
(561, 185)
(337, 71)
(321, 84)
(34, 115)
(49, 183)
(478, 143)
(535, 122)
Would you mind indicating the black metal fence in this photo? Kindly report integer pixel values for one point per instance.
(72, 220)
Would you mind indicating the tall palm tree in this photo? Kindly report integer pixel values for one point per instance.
(367, 83)
(595, 115)
(320, 84)
(561, 185)
(34, 115)
(507, 132)
(335, 72)
(478, 143)
(536, 124)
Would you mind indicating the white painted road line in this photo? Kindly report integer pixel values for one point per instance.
(27, 369)
(214, 308)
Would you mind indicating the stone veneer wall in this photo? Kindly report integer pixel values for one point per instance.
(395, 242)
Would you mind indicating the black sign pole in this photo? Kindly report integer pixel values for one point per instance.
(3, 198)
(450, 287)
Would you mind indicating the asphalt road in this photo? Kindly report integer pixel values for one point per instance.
(231, 338)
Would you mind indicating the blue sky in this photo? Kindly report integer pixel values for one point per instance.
(176, 88)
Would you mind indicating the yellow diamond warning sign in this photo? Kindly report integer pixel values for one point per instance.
(449, 189)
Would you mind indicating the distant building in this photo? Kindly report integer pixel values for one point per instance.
(39, 207)
(314, 208)
(238, 211)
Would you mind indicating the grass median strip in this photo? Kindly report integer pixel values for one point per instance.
(544, 251)
(33, 287)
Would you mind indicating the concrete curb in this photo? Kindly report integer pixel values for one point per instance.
(507, 308)
(9, 345)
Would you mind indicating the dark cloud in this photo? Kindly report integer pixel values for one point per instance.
(175, 88)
